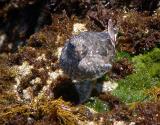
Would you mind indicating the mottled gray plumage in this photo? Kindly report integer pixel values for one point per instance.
(89, 55)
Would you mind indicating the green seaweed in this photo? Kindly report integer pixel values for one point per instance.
(122, 54)
(97, 105)
(146, 75)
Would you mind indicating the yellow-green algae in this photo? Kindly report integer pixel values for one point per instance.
(134, 87)
(7, 97)
(54, 110)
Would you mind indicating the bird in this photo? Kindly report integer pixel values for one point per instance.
(89, 55)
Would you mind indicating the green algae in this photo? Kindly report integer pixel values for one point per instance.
(146, 75)
(97, 105)
(122, 54)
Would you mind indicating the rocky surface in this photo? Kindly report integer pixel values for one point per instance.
(33, 88)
